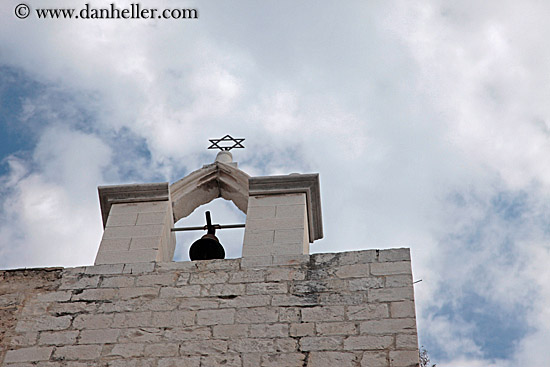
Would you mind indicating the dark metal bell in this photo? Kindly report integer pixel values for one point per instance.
(208, 247)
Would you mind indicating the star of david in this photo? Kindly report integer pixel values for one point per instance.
(236, 143)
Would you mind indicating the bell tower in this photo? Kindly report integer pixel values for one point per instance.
(276, 306)
(283, 213)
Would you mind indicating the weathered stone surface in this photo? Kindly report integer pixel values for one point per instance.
(388, 326)
(309, 343)
(78, 352)
(319, 310)
(326, 313)
(402, 309)
(368, 311)
(375, 359)
(283, 360)
(406, 341)
(57, 338)
(368, 342)
(331, 359)
(302, 329)
(336, 328)
(28, 354)
(99, 336)
(403, 358)
(216, 317)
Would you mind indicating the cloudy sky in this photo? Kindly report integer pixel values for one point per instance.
(428, 122)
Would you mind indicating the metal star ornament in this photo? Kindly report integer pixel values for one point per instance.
(225, 147)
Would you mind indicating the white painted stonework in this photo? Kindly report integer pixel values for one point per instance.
(351, 309)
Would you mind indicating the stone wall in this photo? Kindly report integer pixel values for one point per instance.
(16, 288)
(342, 309)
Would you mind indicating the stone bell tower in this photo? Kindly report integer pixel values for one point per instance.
(278, 305)
(283, 213)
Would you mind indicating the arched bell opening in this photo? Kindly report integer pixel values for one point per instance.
(222, 212)
(201, 191)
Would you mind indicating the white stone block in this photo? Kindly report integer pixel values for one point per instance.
(266, 288)
(128, 350)
(261, 212)
(132, 256)
(204, 347)
(404, 280)
(173, 318)
(57, 337)
(246, 301)
(225, 360)
(94, 294)
(44, 323)
(151, 218)
(283, 360)
(126, 219)
(184, 361)
(150, 230)
(185, 291)
(336, 328)
(368, 342)
(403, 358)
(406, 341)
(269, 330)
(216, 317)
(402, 309)
(277, 223)
(291, 211)
(209, 277)
(283, 236)
(78, 352)
(256, 315)
(367, 311)
(144, 207)
(138, 268)
(323, 313)
(291, 259)
(394, 254)
(99, 336)
(390, 268)
(302, 329)
(273, 200)
(87, 321)
(145, 243)
(331, 359)
(115, 244)
(363, 284)
(161, 350)
(230, 331)
(388, 326)
(390, 294)
(136, 292)
(353, 271)
(256, 261)
(105, 269)
(258, 237)
(263, 345)
(156, 279)
(247, 276)
(374, 359)
(217, 290)
(309, 343)
(132, 319)
(28, 354)
(117, 282)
